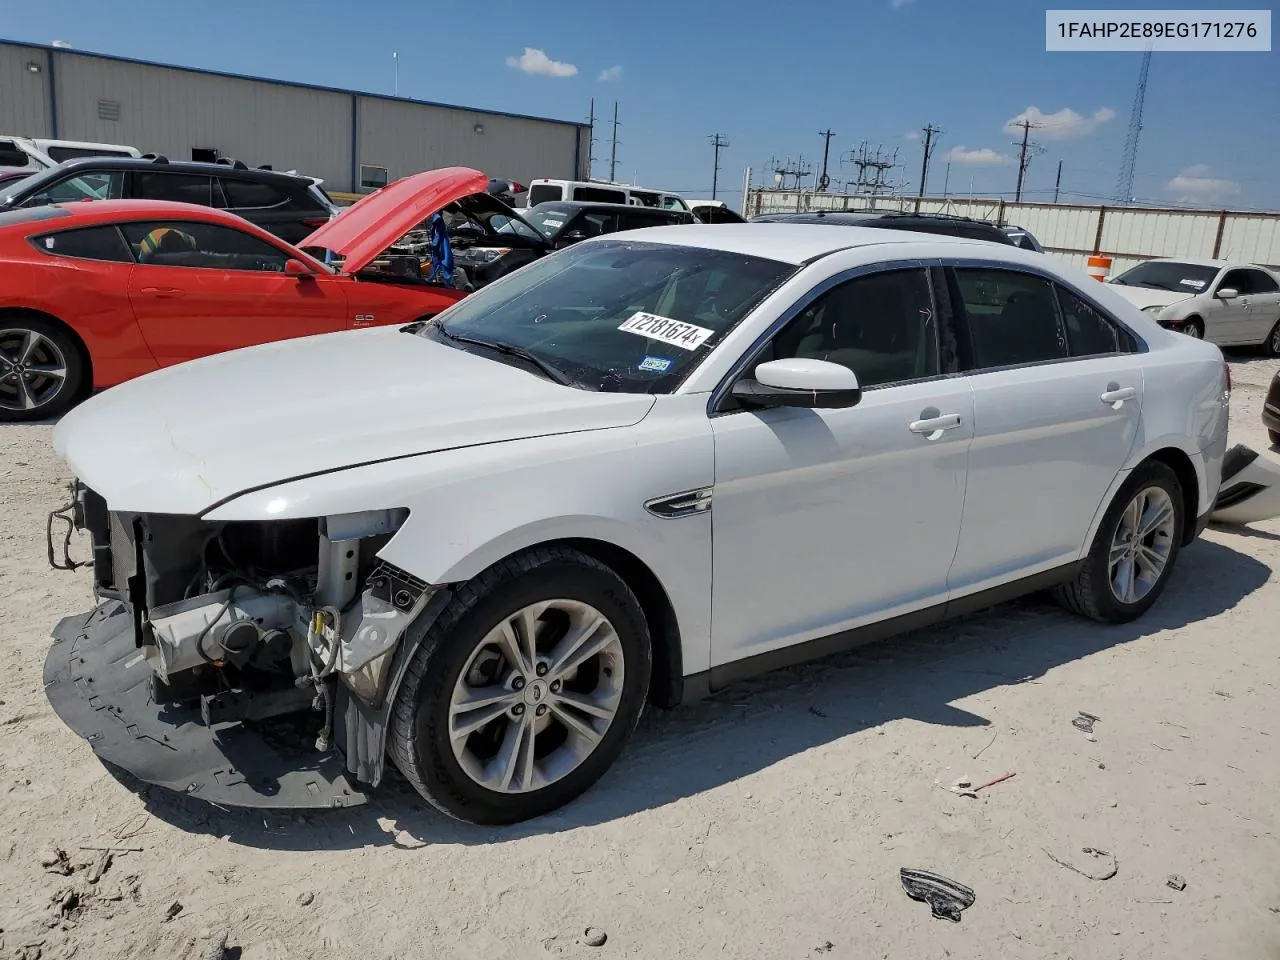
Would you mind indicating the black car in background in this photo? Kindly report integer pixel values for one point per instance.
(564, 222)
(947, 226)
(290, 206)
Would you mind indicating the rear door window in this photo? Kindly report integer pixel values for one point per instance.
(176, 187)
(1011, 318)
(251, 194)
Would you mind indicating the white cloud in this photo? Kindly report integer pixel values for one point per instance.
(1066, 124)
(977, 157)
(911, 135)
(61, 44)
(536, 61)
(1196, 185)
(613, 73)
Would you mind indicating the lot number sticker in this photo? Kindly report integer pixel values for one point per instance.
(686, 336)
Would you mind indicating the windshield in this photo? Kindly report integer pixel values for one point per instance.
(616, 316)
(1188, 278)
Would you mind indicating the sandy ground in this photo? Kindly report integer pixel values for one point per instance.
(768, 822)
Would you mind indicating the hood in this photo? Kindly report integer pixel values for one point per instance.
(190, 436)
(1142, 297)
(373, 223)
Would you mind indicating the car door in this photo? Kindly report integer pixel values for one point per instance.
(828, 519)
(1261, 302)
(1057, 394)
(1227, 321)
(202, 288)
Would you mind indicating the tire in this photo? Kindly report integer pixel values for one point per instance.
(1194, 328)
(1093, 594)
(27, 341)
(1272, 343)
(1274, 436)
(454, 652)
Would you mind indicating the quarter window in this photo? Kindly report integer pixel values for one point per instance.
(1089, 333)
(90, 243)
(1011, 318)
(882, 327)
(249, 194)
(205, 245)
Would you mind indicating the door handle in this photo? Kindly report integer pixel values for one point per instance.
(934, 427)
(1115, 396)
(163, 292)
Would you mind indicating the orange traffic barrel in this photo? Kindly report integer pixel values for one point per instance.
(1099, 267)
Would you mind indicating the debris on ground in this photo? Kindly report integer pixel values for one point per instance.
(306, 898)
(65, 903)
(173, 910)
(55, 860)
(946, 898)
(826, 946)
(992, 783)
(212, 947)
(817, 713)
(1106, 874)
(1176, 882)
(99, 866)
(994, 734)
(1084, 723)
(594, 937)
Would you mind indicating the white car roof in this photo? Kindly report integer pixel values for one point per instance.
(1197, 262)
(794, 243)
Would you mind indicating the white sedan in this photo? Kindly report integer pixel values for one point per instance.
(1230, 304)
(634, 471)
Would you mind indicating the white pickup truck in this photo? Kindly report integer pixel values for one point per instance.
(35, 154)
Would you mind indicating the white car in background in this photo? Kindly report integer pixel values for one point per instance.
(1230, 304)
(638, 469)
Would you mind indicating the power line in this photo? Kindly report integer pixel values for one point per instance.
(717, 143)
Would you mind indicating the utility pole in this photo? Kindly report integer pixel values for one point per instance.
(613, 150)
(946, 179)
(824, 181)
(1057, 183)
(1025, 150)
(591, 142)
(717, 142)
(395, 59)
(930, 131)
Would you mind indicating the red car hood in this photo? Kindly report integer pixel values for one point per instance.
(373, 223)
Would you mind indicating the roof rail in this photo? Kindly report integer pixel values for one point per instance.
(265, 166)
(155, 157)
(232, 163)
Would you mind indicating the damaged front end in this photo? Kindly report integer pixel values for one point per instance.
(1250, 490)
(245, 663)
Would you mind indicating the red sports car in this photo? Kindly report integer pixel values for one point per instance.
(98, 292)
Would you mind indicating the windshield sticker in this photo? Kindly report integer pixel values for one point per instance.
(656, 364)
(1198, 284)
(677, 333)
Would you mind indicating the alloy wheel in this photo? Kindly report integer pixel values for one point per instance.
(536, 696)
(1142, 544)
(33, 369)
(1275, 341)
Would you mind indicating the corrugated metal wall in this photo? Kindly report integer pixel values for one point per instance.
(171, 110)
(408, 137)
(24, 94)
(1129, 235)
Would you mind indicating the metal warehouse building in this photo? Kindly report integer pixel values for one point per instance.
(348, 138)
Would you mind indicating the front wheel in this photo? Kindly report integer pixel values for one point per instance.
(524, 689)
(1272, 345)
(1194, 328)
(1133, 553)
(40, 369)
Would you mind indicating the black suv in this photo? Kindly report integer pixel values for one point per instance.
(947, 226)
(290, 206)
(564, 222)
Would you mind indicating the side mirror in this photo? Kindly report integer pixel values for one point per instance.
(799, 382)
(1227, 293)
(296, 268)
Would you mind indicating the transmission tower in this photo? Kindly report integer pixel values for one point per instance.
(872, 169)
(1124, 184)
(785, 168)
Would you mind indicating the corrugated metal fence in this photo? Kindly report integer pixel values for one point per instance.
(1128, 235)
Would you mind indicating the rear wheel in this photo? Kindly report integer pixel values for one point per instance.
(1194, 328)
(524, 689)
(40, 369)
(1134, 550)
(1272, 345)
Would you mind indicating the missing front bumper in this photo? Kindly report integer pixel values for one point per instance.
(98, 684)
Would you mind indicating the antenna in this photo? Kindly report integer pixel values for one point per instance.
(1129, 160)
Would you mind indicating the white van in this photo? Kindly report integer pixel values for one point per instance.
(36, 153)
(602, 191)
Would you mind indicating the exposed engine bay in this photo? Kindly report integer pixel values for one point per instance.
(239, 623)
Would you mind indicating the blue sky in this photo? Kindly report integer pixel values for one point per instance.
(766, 76)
